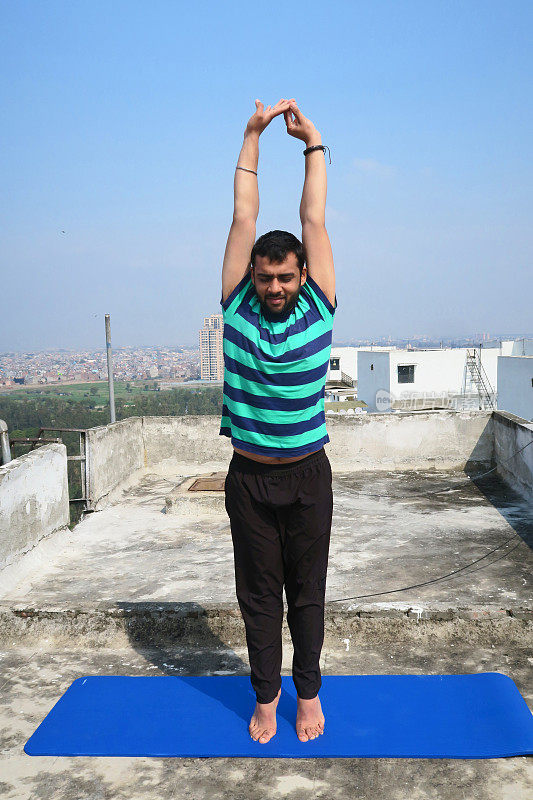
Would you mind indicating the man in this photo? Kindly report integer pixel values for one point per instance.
(278, 301)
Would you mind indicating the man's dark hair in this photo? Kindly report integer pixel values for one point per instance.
(276, 245)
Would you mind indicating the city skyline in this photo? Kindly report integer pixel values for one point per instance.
(459, 340)
(180, 363)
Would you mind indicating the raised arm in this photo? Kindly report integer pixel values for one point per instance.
(315, 237)
(246, 198)
(245, 186)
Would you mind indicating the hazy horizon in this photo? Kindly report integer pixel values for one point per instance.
(194, 345)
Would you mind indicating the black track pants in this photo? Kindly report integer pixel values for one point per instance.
(280, 516)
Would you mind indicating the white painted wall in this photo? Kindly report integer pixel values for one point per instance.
(348, 360)
(373, 377)
(436, 372)
(515, 381)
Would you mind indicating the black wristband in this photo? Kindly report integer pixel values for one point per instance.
(323, 147)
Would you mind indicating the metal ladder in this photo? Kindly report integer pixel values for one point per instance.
(478, 377)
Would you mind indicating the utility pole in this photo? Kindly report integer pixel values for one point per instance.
(110, 368)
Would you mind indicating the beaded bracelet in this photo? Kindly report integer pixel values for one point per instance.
(323, 147)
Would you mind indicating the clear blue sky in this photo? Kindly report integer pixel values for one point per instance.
(122, 123)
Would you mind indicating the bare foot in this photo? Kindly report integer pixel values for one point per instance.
(309, 719)
(263, 723)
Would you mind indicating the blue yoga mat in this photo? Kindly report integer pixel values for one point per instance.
(405, 716)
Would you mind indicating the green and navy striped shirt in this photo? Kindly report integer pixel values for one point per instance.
(275, 368)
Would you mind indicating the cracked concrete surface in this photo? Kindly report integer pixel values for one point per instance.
(390, 530)
(34, 680)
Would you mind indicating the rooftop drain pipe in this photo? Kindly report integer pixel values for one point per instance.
(5, 452)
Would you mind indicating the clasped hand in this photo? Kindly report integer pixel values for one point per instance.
(297, 125)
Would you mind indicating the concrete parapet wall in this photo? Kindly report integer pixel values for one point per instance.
(114, 453)
(34, 500)
(511, 434)
(193, 438)
(443, 439)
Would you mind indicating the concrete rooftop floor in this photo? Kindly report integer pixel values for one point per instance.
(33, 681)
(390, 530)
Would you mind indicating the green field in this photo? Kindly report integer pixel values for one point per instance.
(86, 405)
(97, 391)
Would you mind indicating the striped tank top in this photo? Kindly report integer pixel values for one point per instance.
(275, 368)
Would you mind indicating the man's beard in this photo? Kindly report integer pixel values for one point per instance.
(284, 308)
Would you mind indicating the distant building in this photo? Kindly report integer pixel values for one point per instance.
(463, 377)
(341, 379)
(211, 348)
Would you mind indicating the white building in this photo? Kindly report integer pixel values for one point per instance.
(341, 379)
(459, 378)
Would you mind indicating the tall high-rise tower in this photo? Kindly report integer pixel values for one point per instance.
(211, 349)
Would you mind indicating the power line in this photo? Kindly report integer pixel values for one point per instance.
(449, 574)
(455, 572)
(436, 580)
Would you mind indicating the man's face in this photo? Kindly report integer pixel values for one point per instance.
(278, 285)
